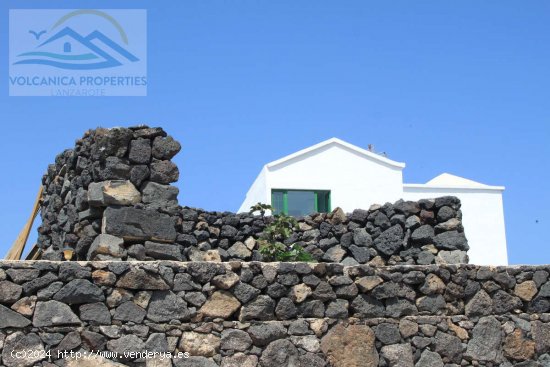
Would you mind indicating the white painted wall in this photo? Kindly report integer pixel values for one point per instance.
(258, 192)
(336, 166)
(357, 178)
(482, 218)
(341, 171)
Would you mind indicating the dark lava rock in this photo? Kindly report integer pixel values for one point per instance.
(79, 291)
(133, 224)
(451, 240)
(390, 241)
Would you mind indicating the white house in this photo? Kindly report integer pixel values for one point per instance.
(335, 173)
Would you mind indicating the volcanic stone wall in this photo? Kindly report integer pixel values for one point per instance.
(107, 169)
(406, 232)
(110, 198)
(273, 314)
(382, 292)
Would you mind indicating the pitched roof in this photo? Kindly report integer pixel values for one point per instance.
(342, 144)
(447, 180)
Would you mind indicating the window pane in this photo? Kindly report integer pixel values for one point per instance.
(301, 203)
(277, 201)
(322, 201)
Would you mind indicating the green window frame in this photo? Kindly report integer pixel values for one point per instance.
(279, 200)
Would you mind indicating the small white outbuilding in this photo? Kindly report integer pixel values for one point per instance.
(335, 173)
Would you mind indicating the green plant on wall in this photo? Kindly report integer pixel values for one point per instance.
(272, 241)
(260, 207)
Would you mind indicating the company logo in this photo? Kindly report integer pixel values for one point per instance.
(78, 52)
(67, 49)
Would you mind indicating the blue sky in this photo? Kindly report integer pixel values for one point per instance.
(455, 86)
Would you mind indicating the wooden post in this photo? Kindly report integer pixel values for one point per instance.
(18, 246)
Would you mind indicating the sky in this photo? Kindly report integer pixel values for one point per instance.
(454, 86)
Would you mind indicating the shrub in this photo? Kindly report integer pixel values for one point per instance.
(272, 242)
(259, 207)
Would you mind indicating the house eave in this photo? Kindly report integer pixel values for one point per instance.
(454, 187)
(336, 141)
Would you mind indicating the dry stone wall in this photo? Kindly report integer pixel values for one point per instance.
(108, 169)
(160, 285)
(424, 232)
(274, 314)
(110, 198)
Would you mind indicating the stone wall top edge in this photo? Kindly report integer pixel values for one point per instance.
(230, 264)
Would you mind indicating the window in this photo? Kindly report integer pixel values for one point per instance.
(300, 202)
